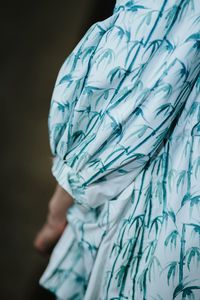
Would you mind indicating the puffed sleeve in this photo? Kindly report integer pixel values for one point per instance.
(114, 102)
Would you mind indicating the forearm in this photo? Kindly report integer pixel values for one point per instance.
(59, 202)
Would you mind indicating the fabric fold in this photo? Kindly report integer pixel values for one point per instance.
(124, 132)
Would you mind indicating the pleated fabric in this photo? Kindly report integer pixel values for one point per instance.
(124, 128)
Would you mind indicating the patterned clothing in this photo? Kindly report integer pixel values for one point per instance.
(124, 127)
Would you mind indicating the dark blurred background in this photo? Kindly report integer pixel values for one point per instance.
(36, 37)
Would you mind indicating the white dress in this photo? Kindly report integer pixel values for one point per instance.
(124, 127)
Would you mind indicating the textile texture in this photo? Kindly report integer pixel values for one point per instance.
(124, 127)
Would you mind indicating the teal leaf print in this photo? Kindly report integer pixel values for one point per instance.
(87, 53)
(171, 13)
(195, 38)
(89, 90)
(124, 129)
(192, 253)
(172, 239)
(120, 275)
(115, 73)
(172, 271)
(154, 264)
(141, 131)
(78, 135)
(132, 7)
(196, 228)
(165, 108)
(193, 108)
(194, 201)
(171, 177)
(142, 280)
(197, 166)
(106, 56)
(185, 291)
(153, 47)
(196, 130)
(155, 224)
(181, 180)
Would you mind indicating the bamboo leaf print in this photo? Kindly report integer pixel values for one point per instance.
(93, 122)
(97, 163)
(153, 267)
(132, 7)
(186, 6)
(193, 108)
(196, 229)
(78, 135)
(124, 129)
(178, 290)
(159, 191)
(169, 46)
(188, 292)
(106, 57)
(165, 108)
(116, 248)
(197, 20)
(192, 253)
(148, 17)
(181, 179)
(89, 90)
(141, 131)
(197, 166)
(192, 200)
(155, 224)
(115, 73)
(87, 52)
(121, 32)
(106, 94)
(153, 47)
(135, 44)
(133, 196)
(66, 78)
(135, 156)
(122, 171)
(186, 198)
(195, 201)
(139, 112)
(172, 215)
(120, 275)
(101, 30)
(184, 72)
(137, 221)
(149, 249)
(58, 130)
(172, 239)
(195, 38)
(196, 130)
(62, 107)
(185, 291)
(128, 246)
(120, 149)
(171, 176)
(165, 88)
(171, 13)
(198, 84)
(142, 280)
(172, 271)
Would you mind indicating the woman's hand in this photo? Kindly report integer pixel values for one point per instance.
(56, 221)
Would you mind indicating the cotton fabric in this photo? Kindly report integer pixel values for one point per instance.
(124, 127)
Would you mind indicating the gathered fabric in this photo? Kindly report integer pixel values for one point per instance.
(124, 129)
